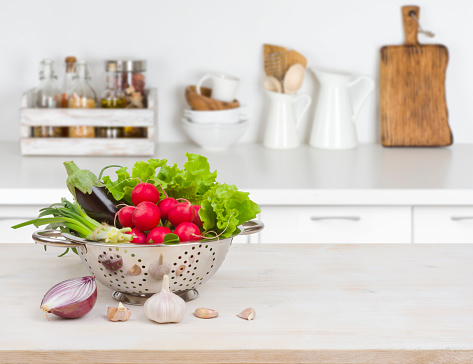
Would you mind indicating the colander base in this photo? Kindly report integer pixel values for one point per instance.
(139, 300)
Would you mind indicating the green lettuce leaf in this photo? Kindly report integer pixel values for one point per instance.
(190, 183)
(121, 188)
(224, 208)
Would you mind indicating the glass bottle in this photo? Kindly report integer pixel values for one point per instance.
(68, 80)
(47, 95)
(82, 97)
(112, 98)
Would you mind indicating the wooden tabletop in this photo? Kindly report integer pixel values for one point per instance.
(314, 303)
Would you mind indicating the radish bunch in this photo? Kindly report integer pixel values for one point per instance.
(152, 218)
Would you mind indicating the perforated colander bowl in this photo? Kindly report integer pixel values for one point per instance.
(135, 271)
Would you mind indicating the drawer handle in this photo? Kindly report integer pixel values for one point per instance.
(459, 218)
(351, 218)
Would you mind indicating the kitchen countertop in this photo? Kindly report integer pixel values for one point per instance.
(389, 303)
(369, 174)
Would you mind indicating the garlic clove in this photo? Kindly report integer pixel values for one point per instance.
(120, 313)
(247, 314)
(134, 271)
(205, 313)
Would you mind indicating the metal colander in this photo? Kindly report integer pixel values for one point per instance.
(135, 271)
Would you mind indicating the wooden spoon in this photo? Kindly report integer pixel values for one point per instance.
(294, 78)
(271, 83)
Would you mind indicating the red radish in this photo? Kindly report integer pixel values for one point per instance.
(187, 231)
(144, 192)
(181, 212)
(124, 216)
(156, 235)
(146, 216)
(139, 237)
(165, 205)
(197, 219)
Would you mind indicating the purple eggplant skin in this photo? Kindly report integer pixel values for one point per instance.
(99, 205)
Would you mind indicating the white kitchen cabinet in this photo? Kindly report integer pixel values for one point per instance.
(11, 215)
(336, 224)
(443, 224)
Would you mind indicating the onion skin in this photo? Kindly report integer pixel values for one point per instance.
(76, 310)
(80, 302)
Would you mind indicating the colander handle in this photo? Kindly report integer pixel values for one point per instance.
(252, 227)
(53, 238)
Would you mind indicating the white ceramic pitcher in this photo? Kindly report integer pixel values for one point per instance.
(334, 120)
(282, 124)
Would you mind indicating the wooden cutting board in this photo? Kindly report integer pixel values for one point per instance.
(412, 91)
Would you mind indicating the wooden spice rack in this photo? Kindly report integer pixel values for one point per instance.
(30, 117)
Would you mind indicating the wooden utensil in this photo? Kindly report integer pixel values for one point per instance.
(271, 83)
(204, 102)
(294, 78)
(412, 90)
(275, 61)
(294, 57)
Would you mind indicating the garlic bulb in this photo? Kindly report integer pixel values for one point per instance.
(165, 306)
(158, 269)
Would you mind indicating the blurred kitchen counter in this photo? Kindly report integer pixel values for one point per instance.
(369, 174)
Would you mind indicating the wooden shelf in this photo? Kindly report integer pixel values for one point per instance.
(30, 117)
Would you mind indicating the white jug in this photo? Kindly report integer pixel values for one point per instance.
(282, 124)
(334, 120)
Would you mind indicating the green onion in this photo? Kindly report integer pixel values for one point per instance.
(71, 216)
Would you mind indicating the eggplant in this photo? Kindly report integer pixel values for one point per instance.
(92, 194)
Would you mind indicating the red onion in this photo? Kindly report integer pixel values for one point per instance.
(71, 298)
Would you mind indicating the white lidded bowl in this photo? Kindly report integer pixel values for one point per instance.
(229, 116)
(215, 136)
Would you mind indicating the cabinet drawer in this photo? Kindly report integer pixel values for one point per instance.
(336, 224)
(439, 224)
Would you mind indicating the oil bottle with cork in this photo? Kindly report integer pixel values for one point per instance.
(68, 82)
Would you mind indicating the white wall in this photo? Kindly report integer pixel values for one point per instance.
(183, 39)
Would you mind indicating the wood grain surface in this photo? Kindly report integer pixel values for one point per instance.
(294, 57)
(412, 91)
(332, 303)
(275, 61)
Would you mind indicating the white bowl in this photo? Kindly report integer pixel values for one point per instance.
(215, 136)
(230, 116)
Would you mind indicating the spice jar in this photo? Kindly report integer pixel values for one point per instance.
(47, 95)
(132, 81)
(112, 98)
(82, 97)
